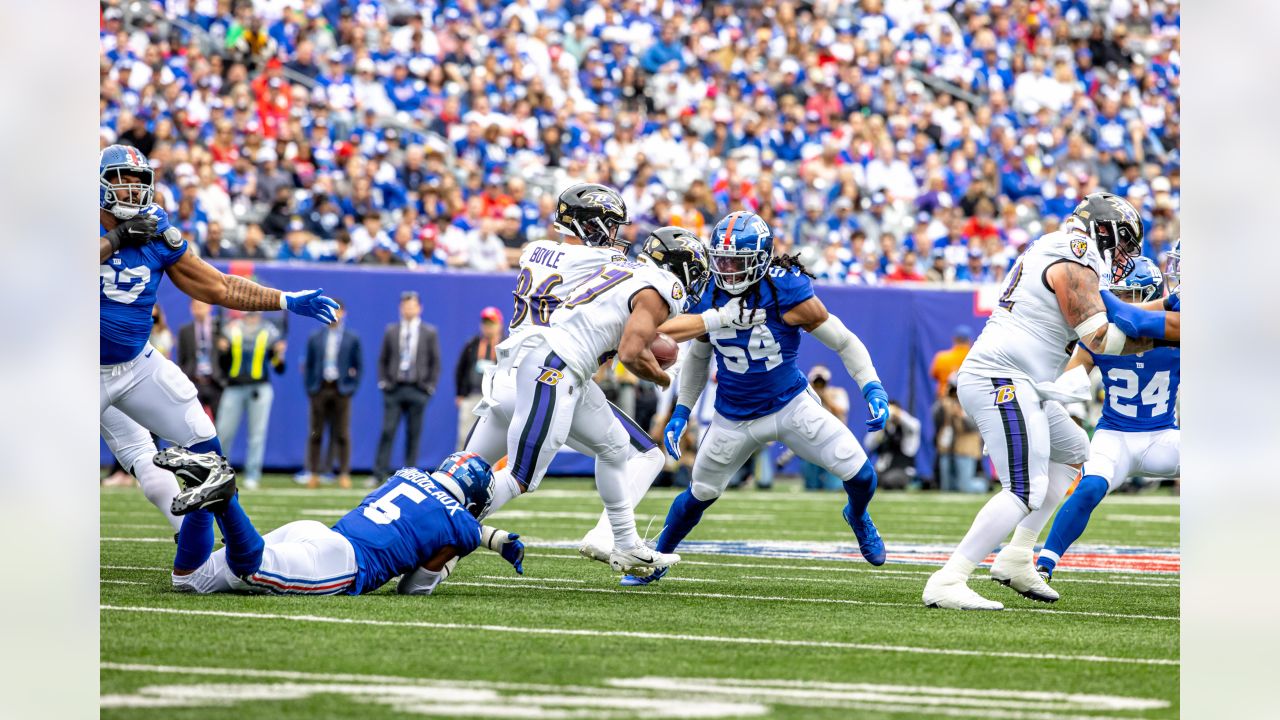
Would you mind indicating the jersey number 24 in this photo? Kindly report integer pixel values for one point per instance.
(1125, 385)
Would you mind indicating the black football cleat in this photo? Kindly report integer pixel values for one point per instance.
(207, 479)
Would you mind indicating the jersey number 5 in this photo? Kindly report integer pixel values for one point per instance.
(384, 510)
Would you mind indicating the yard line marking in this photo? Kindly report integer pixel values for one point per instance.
(1142, 518)
(584, 632)
(139, 539)
(135, 567)
(122, 582)
(835, 566)
(819, 601)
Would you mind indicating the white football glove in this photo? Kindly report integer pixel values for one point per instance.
(732, 316)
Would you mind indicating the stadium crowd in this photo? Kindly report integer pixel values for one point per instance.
(894, 140)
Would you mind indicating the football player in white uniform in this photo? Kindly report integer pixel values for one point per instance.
(588, 215)
(616, 311)
(1051, 301)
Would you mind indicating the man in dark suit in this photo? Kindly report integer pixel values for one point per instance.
(332, 371)
(197, 357)
(408, 367)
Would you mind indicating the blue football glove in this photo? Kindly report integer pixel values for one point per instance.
(513, 552)
(164, 229)
(878, 402)
(310, 303)
(675, 428)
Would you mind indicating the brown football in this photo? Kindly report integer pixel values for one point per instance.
(664, 350)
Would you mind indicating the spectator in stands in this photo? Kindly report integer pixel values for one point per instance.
(198, 359)
(479, 354)
(248, 349)
(959, 445)
(947, 362)
(408, 367)
(331, 372)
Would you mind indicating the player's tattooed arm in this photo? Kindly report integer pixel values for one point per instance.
(204, 282)
(648, 310)
(1080, 300)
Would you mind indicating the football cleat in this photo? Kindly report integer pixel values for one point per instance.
(950, 592)
(869, 542)
(1014, 568)
(639, 558)
(1045, 573)
(206, 478)
(592, 551)
(641, 580)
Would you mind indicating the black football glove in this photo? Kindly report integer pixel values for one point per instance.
(135, 231)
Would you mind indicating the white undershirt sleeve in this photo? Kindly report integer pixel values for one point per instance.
(853, 353)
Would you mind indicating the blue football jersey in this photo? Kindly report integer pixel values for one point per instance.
(1141, 390)
(401, 525)
(127, 285)
(756, 371)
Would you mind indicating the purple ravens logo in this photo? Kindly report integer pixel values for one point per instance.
(605, 200)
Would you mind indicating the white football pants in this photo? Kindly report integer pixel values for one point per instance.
(153, 392)
(1117, 455)
(301, 558)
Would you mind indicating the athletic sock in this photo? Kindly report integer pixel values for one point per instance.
(195, 540)
(611, 483)
(1061, 476)
(505, 488)
(686, 510)
(206, 446)
(642, 470)
(159, 485)
(860, 488)
(244, 544)
(1073, 518)
(992, 525)
(958, 567)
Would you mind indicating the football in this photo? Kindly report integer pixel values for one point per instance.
(665, 350)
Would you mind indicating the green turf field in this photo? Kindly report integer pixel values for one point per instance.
(725, 635)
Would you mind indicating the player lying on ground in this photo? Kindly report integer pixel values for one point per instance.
(762, 396)
(618, 310)
(1006, 384)
(1138, 433)
(588, 216)
(415, 526)
(140, 388)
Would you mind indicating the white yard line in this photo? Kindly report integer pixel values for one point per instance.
(122, 582)
(788, 599)
(584, 632)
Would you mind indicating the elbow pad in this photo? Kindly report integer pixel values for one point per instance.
(694, 371)
(853, 353)
(1134, 321)
(420, 582)
(1112, 343)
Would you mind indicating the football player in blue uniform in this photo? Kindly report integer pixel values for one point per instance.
(415, 526)
(1138, 432)
(140, 388)
(762, 396)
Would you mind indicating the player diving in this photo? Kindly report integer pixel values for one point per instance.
(1051, 302)
(415, 526)
(141, 390)
(762, 395)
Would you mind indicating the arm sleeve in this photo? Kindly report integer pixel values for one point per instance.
(1134, 321)
(853, 353)
(693, 373)
(423, 581)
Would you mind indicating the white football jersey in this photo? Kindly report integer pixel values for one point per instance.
(1027, 337)
(586, 328)
(549, 270)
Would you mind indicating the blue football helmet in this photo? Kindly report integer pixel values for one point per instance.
(1144, 282)
(741, 250)
(1173, 266)
(117, 194)
(468, 478)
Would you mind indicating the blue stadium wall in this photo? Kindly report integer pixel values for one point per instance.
(901, 327)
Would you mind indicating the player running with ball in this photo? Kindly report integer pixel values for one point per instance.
(1007, 385)
(762, 395)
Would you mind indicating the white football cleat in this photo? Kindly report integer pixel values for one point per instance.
(640, 559)
(592, 551)
(1015, 567)
(950, 592)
